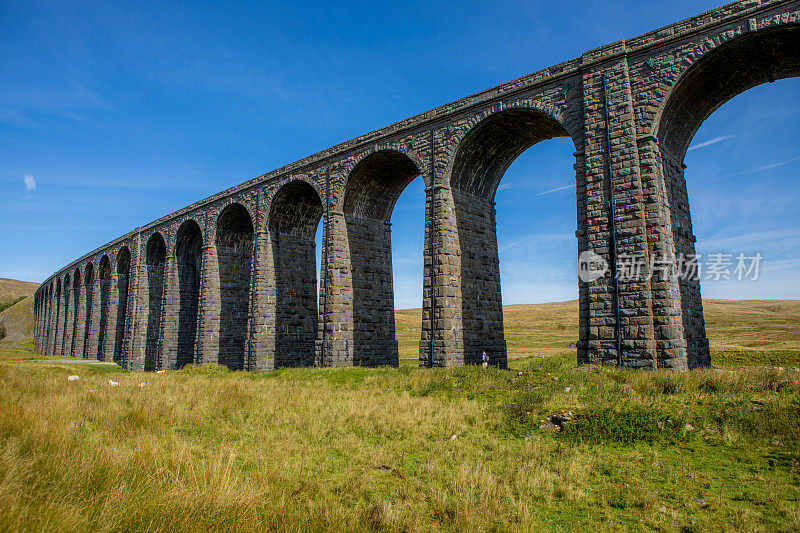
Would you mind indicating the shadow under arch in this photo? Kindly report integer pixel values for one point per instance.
(155, 259)
(56, 317)
(66, 326)
(373, 188)
(123, 283)
(234, 241)
(88, 289)
(294, 216)
(105, 296)
(730, 69)
(58, 311)
(76, 305)
(188, 261)
(481, 160)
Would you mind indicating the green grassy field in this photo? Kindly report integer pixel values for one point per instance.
(413, 449)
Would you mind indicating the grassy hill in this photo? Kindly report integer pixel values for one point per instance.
(12, 290)
(16, 322)
(16, 309)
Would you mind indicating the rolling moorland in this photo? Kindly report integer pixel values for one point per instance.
(544, 445)
(16, 309)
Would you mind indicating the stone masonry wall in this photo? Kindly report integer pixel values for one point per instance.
(370, 269)
(234, 246)
(123, 279)
(188, 258)
(156, 262)
(295, 297)
(87, 350)
(102, 322)
(479, 279)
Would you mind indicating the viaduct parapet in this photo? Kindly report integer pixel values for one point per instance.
(232, 279)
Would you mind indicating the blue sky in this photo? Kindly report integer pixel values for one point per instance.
(113, 114)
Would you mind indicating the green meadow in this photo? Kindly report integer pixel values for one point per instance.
(409, 449)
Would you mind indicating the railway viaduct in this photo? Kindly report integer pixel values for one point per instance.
(232, 279)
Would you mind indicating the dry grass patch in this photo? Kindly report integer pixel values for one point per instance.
(390, 449)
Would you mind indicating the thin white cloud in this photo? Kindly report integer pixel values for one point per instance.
(778, 164)
(30, 182)
(504, 186)
(765, 167)
(74, 96)
(791, 266)
(510, 245)
(555, 190)
(715, 140)
(754, 240)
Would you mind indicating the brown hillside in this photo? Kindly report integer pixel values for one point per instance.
(16, 322)
(12, 289)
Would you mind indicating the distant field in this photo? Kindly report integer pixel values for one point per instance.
(740, 331)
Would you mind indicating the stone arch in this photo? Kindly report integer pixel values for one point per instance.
(123, 283)
(480, 160)
(492, 144)
(372, 188)
(41, 298)
(88, 289)
(38, 304)
(37, 300)
(376, 182)
(46, 324)
(105, 295)
(234, 243)
(35, 321)
(729, 69)
(295, 209)
(155, 259)
(188, 260)
(57, 318)
(295, 212)
(48, 319)
(37, 315)
(45, 311)
(66, 327)
(76, 305)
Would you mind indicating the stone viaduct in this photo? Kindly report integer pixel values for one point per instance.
(232, 279)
